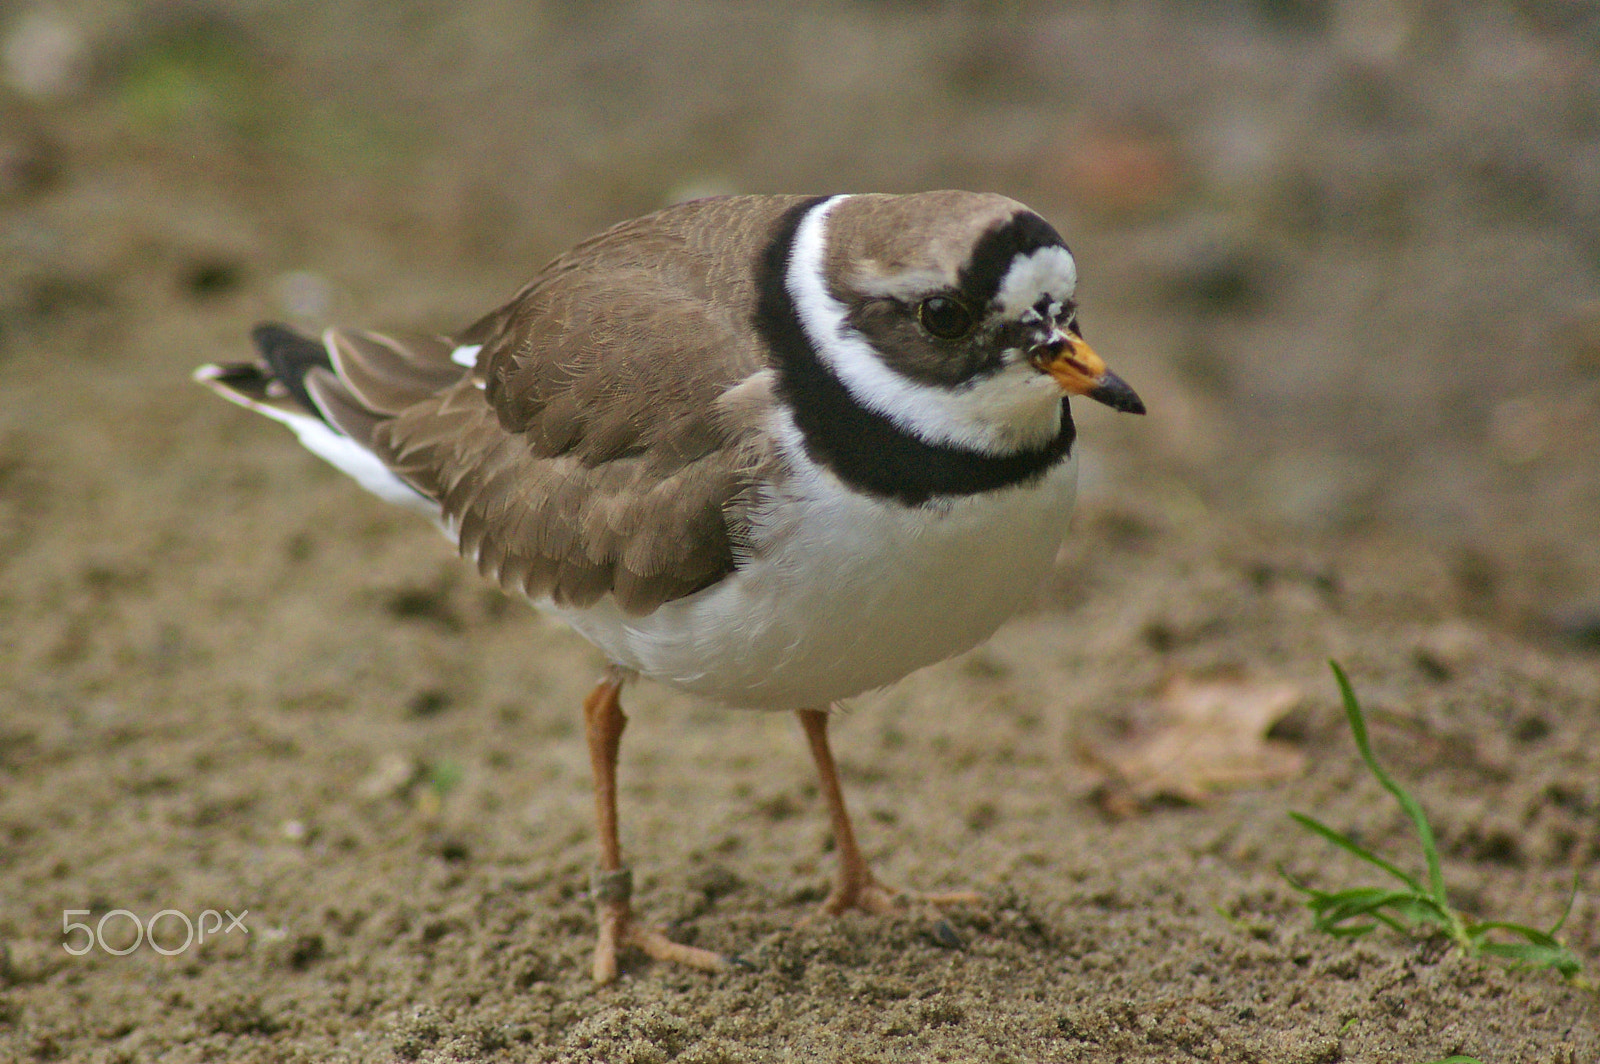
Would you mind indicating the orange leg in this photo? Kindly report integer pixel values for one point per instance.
(612, 888)
(856, 887)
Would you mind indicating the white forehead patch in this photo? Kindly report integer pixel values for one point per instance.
(1045, 272)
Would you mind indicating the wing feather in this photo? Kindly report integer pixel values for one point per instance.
(609, 439)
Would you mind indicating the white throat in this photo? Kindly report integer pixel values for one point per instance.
(1015, 408)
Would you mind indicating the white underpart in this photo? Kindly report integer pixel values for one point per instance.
(466, 355)
(844, 593)
(998, 414)
(1048, 271)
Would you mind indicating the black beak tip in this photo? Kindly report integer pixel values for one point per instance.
(1115, 393)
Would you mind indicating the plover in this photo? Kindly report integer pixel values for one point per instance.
(775, 451)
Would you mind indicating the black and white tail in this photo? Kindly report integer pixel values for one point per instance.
(334, 394)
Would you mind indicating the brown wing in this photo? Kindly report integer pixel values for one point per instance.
(609, 439)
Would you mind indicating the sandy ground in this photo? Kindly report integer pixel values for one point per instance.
(1349, 255)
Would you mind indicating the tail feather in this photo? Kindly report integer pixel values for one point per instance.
(312, 388)
(385, 376)
(289, 357)
(341, 409)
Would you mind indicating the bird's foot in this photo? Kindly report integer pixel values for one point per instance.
(863, 891)
(612, 892)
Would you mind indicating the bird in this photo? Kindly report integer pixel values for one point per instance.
(775, 451)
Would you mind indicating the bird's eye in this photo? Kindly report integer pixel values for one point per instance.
(946, 318)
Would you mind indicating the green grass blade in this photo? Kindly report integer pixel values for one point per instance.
(1530, 934)
(1421, 909)
(1354, 912)
(1360, 902)
(1537, 948)
(1343, 927)
(1358, 728)
(1346, 843)
(1572, 896)
(1331, 912)
(1535, 955)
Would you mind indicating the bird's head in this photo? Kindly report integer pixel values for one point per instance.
(954, 314)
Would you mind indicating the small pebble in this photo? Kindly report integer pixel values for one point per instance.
(304, 296)
(947, 936)
(29, 160)
(45, 57)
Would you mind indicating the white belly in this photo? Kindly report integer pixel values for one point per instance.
(846, 594)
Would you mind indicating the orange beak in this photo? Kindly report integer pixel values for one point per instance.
(1079, 371)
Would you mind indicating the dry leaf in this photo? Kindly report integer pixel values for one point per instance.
(1201, 736)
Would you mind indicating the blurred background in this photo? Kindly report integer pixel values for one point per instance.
(1348, 251)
